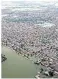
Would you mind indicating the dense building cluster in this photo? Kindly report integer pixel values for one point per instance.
(23, 32)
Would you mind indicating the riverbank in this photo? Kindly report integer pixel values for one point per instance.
(17, 66)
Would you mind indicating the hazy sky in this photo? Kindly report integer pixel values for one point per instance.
(33, 0)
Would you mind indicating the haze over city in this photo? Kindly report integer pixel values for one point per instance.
(29, 38)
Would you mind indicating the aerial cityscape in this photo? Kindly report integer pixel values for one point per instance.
(29, 39)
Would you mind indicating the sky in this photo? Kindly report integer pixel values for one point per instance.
(33, 0)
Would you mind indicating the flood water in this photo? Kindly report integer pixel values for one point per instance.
(46, 24)
(17, 66)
